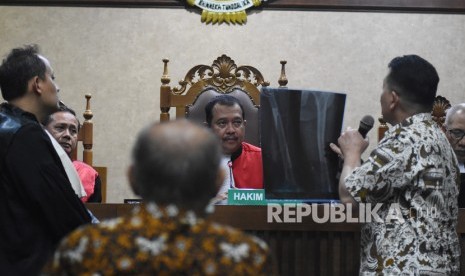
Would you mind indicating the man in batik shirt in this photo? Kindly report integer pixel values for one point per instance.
(176, 171)
(410, 180)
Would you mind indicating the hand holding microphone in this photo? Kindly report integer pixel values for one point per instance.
(348, 140)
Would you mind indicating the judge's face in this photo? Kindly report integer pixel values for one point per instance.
(229, 126)
(64, 128)
(455, 132)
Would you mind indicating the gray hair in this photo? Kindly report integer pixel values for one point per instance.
(176, 162)
(452, 111)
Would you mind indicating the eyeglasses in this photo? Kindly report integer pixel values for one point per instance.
(235, 123)
(456, 133)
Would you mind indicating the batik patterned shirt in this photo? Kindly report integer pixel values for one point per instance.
(410, 182)
(159, 241)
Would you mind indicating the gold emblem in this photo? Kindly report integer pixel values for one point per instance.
(229, 11)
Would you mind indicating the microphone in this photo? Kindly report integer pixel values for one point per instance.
(366, 124)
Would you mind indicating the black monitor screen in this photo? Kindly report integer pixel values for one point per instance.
(296, 129)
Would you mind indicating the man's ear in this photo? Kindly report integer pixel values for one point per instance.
(245, 122)
(132, 180)
(395, 100)
(36, 84)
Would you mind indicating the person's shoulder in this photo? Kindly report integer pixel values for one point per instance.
(31, 132)
(13, 127)
(232, 235)
(84, 166)
(86, 235)
(15, 118)
(104, 227)
(250, 147)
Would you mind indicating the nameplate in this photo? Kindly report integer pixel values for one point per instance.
(246, 197)
(132, 200)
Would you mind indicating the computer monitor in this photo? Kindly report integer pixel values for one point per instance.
(297, 127)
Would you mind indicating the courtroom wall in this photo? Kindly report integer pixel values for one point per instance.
(116, 54)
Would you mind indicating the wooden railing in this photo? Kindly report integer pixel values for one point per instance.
(300, 248)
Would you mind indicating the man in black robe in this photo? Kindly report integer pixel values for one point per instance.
(38, 207)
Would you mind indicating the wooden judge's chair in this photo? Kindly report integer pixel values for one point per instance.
(203, 82)
(438, 113)
(85, 138)
(440, 107)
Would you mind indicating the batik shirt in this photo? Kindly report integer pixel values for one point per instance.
(412, 177)
(160, 241)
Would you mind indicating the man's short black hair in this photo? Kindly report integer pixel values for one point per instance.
(21, 65)
(414, 79)
(225, 100)
(62, 108)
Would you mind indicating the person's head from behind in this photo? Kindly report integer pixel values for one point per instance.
(176, 162)
(409, 87)
(64, 127)
(24, 73)
(455, 130)
(225, 116)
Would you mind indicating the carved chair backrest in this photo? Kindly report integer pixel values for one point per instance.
(203, 82)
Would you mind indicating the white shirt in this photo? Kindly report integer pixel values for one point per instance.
(71, 172)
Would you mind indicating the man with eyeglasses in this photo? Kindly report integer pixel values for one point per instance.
(243, 162)
(455, 132)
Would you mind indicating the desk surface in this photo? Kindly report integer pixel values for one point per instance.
(254, 218)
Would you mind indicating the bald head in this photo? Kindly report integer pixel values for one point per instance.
(455, 126)
(455, 111)
(176, 162)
